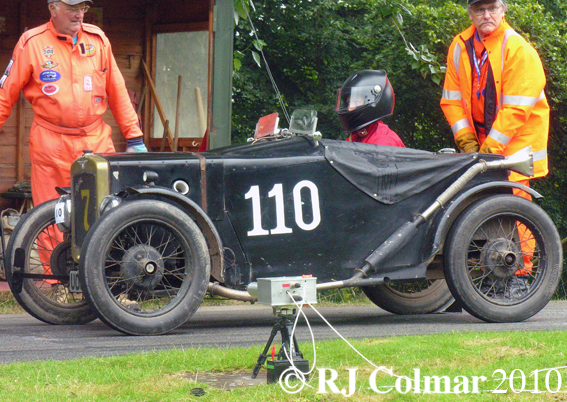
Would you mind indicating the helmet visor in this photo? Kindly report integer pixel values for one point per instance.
(350, 99)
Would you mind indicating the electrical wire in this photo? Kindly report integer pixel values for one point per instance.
(381, 368)
(278, 94)
(300, 310)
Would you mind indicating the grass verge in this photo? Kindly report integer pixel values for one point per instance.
(9, 305)
(164, 376)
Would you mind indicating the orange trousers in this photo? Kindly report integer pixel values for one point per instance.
(526, 238)
(52, 151)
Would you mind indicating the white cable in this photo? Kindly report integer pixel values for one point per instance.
(300, 306)
(298, 373)
(381, 368)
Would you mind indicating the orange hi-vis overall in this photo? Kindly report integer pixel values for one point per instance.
(521, 114)
(69, 87)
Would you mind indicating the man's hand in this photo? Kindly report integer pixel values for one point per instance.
(467, 142)
(485, 149)
(135, 145)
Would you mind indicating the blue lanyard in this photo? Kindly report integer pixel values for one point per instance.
(478, 65)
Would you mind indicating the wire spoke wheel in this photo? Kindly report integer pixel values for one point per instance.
(499, 259)
(148, 267)
(504, 259)
(418, 297)
(46, 251)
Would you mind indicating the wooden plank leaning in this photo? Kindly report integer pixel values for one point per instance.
(159, 108)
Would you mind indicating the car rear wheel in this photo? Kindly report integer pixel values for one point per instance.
(421, 297)
(503, 259)
(37, 247)
(145, 267)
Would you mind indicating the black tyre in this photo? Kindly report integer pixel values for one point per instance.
(488, 255)
(145, 267)
(44, 248)
(422, 297)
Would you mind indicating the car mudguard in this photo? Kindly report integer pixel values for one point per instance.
(464, 200)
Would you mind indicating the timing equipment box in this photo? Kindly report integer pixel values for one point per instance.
(279, 291)
(277, 367)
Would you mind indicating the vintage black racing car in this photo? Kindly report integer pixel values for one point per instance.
(139, 239)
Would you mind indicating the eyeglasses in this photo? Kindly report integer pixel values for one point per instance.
(77, 10)
(479, 11)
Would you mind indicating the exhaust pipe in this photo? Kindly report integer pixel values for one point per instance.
(352, 282)
(216, 289)
(521, 162)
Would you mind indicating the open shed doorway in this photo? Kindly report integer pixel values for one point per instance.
(182, 65)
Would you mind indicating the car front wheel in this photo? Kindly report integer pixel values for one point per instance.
(145, 267)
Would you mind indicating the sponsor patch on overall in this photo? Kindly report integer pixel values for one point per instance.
(50, 89)
(48, 51)
(6, 73)
(90, 50)
(49, 76)
(49, 64)
(88, 83)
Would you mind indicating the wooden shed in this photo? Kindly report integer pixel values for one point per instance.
(191, 39)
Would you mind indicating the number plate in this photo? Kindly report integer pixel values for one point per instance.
(74, 284)
(60, 212)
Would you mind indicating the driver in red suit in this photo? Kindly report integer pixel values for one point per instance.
(364, 99)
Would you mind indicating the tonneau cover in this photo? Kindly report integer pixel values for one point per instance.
(392, 174)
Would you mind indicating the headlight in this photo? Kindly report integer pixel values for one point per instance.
(63, 213)
(107, 203)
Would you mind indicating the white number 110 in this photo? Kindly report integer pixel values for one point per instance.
(277, 193)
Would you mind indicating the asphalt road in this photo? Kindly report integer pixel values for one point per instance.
(23, 338)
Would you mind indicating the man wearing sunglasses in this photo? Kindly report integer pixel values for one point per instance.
(494, 100)
(68, 73)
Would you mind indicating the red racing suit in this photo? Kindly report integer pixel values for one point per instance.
(515, 108)
(378, 134)
(69, 87)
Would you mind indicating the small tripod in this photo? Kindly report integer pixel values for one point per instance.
(284, 324)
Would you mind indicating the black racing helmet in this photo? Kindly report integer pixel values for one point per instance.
(365, 97)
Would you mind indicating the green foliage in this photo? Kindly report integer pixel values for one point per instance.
(426, 63)
(309, 50)
(9, 305)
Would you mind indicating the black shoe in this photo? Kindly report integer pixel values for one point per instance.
(492, 288)
(518, 286)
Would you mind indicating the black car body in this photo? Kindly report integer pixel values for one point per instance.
(149, 234)
(296, 206)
